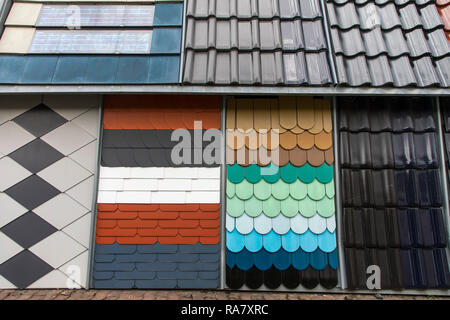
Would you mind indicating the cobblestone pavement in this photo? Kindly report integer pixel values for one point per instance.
(190, 295)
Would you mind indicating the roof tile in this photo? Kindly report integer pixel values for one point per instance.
(388, 43)
(266, 42)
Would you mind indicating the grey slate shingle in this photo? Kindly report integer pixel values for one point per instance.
(247, 42)
(389, 43)
(156, 266)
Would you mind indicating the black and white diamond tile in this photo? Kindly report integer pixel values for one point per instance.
(48, 152)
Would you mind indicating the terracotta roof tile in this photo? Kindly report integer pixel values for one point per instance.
(152, 112)
(444, 11)
(164, 223)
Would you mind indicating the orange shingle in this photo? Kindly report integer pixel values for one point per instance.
(163, 223)
(160, 111)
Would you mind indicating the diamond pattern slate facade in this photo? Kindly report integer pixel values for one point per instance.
(391, 193)
(44, 218)
(256, 42)
(389, 43)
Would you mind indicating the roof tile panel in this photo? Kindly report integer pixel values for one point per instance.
(250, 42)
(389, 43)
(386, 219)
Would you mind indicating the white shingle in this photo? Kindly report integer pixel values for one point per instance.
(206, 184)
(120, 172)
(140, 184)
(8, 248)
(60, 243)
(10, 209)
(11, 173)
(203, 197)
(86, 156)
(176, 173)
(209, 173)
(133, 197)
(175, 185)
(110, 184)
(54, 279)
(80, 230)
(71, 106)
(68, 138)
(64, 174)
(107, 197)
(61, 211)
(17, 137)
(83, 192)
(76, 269)
(141, 173)
(168, 197)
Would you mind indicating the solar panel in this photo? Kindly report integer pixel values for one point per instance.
(91, 41)
(96, 15)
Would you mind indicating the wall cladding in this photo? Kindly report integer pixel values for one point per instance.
(48, 149)
(280, 224)
(391, 193)
(158, 223)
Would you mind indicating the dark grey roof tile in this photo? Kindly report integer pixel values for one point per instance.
(417, 43)
(374, 42)
(314, 35)
(353, 71)
(443, 71)
(438, 43)
(407, 35)
(410, 17)
(380, 71)
(292, 35)
(248, 42)
(310, 9)
(396, 43)
(389, 16)
(402, 72)
(430, 17)
(425, 72)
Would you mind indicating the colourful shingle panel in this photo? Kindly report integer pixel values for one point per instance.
(280, 219)
(389, 43)
(392, 198)
(47, 144)
(158, 222)
(249, 42)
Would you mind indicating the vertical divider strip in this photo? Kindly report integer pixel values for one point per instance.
(337, 184)
(223, 198)
(444, 173)
(328, 39)
(183, 39)
(94, 197)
